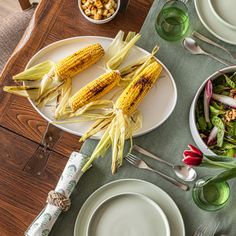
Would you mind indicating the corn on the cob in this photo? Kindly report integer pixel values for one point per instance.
(79, 61)
(138, 88)
(122, 124)
(94, 90)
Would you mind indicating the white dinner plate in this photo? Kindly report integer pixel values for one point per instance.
(156, 107)
(128, 214)
(213, 23)
(225, 10)
(147, 189)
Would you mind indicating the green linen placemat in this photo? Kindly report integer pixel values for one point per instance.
(167, 141)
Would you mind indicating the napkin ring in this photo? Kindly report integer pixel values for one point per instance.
(59, 200)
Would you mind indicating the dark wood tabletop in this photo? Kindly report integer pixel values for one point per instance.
(28, 171)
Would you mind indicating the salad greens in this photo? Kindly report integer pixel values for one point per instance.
(215, 115)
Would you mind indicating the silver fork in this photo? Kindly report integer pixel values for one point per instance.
(207, 230)
(137, 162)
(184, 1)
(201, 230)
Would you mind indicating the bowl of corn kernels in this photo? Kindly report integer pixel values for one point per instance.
(99, 11)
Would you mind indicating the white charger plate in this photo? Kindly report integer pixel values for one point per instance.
(147, 189)
(213, 24)
(128, 214)
(225, 10)
(156, 107)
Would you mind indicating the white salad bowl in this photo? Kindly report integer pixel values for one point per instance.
(192, 118)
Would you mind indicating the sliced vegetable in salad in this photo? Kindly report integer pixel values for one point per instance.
(216, 115)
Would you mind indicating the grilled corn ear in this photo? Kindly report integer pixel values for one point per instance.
(138, 88)
(94, 90)
(79, 61)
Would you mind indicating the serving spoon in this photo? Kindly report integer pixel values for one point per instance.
(183, 172)
(191, 45)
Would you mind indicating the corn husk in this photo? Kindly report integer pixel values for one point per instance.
(21, 90)
(118, 128)
(35, 73)
(119, 49)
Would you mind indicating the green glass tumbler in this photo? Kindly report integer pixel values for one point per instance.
(210, 197)
(172, 22)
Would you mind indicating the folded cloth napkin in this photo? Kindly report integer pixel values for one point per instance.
(44, 222)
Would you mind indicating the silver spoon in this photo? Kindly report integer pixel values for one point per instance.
(183, 172)
(192, 46)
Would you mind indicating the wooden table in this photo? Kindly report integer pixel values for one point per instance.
(27, 171)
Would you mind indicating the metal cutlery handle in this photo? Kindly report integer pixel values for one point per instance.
(219, 59)
(209, 41)
(149, 154)
(171, 180)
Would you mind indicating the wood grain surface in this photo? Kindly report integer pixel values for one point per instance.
(25, 4)
(26, 175)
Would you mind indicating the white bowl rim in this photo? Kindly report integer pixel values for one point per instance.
(192, 116)
(99, 21)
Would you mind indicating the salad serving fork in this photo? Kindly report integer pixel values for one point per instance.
(139, 163)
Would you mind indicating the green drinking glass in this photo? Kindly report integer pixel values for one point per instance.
(172, 22)
(211, 197)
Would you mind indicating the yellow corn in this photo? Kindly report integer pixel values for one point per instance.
(79, 61)
(94, 90)
(138, 88)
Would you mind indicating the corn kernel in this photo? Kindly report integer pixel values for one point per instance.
(84, 1)
(93, 10)
(112, 2)
(98, 4)
(112, 11)
(87, 12)
(100, 11)
(105, 12)
(84, 7)
(97, 16)
(108, 15)
(108, 6)
(87, 4)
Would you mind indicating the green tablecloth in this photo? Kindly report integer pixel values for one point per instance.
(168, 141)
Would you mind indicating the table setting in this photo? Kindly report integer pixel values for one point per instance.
(159, 148)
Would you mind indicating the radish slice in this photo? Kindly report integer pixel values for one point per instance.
(213, 135)
(207, 99)
(225, 100)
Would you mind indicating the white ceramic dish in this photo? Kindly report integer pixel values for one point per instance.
(192, 119)
(213, 24)
(156, 107)
(133, 186)
(225, 11)
(99, 22)
(130, 214)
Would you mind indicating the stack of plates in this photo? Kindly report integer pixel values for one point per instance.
(219, 18)
(129, 207)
